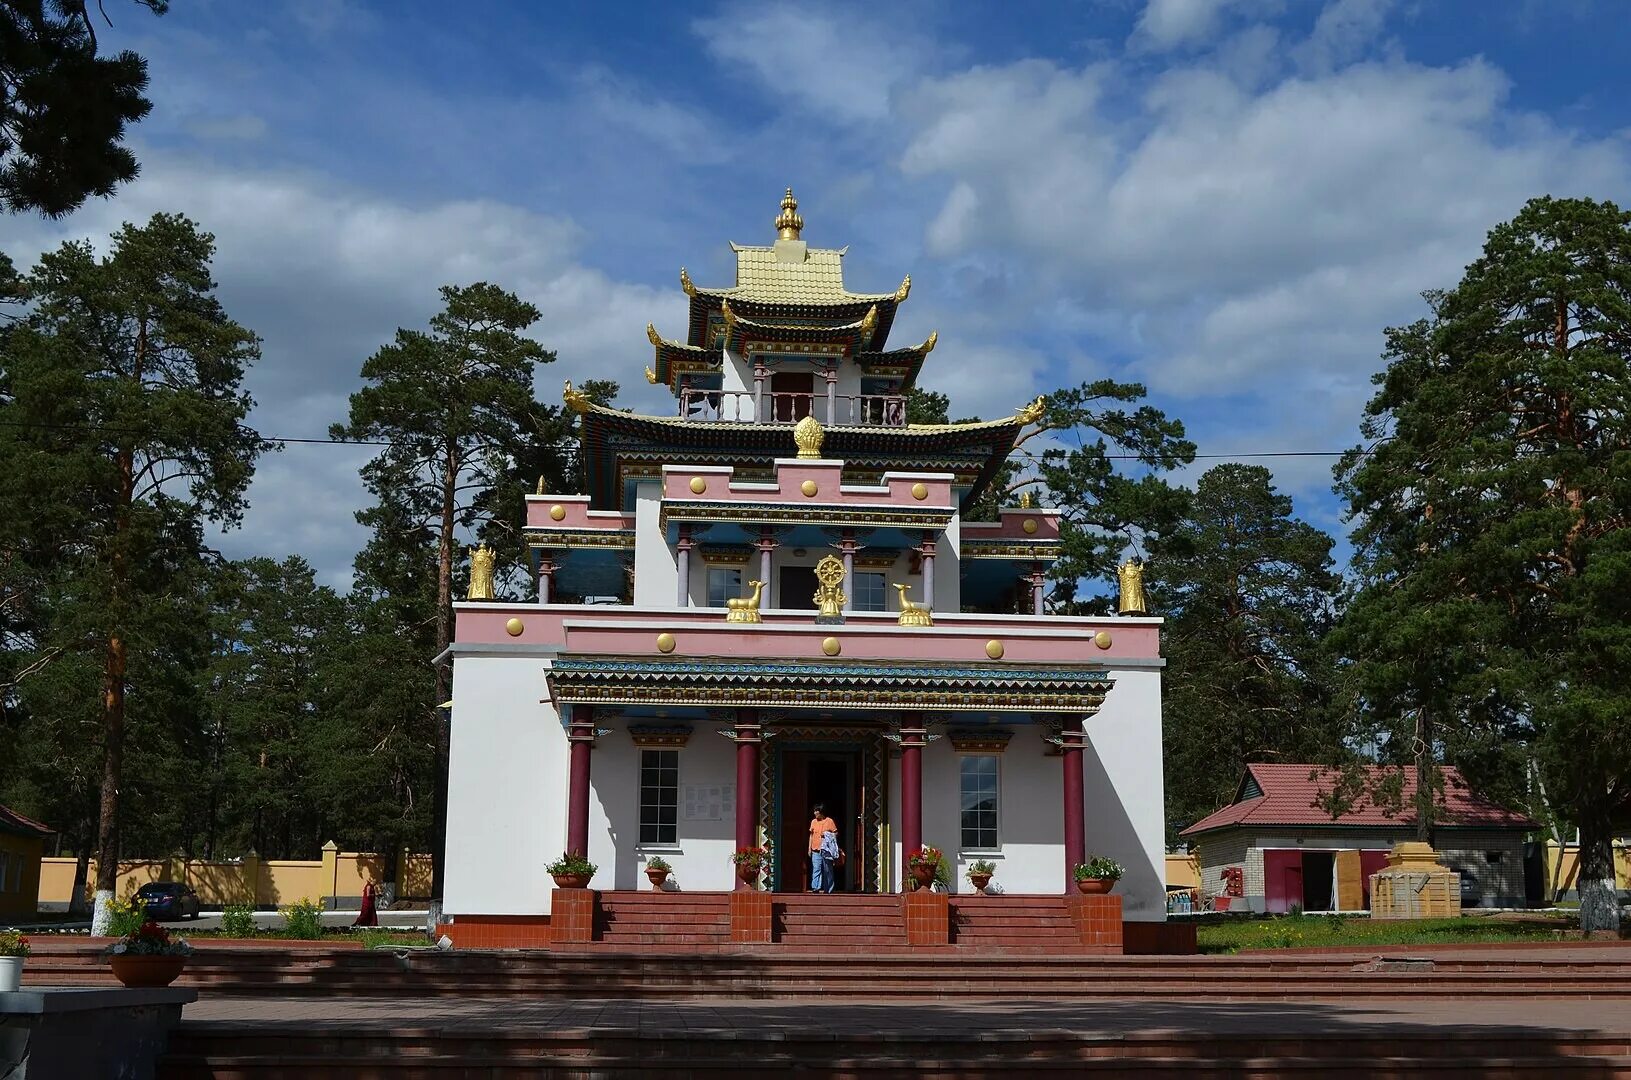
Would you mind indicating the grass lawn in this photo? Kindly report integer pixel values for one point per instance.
(371, 937)
(1317, 931)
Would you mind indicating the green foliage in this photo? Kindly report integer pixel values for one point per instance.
(1492, 624)
(575, 864)
(981, 866)
(303, 919)
(1249, 594)
(125, 917)
(238, 921)
(657, 862)
(13, 943)
(64, 109)
(1234, 935)
(1098, 868)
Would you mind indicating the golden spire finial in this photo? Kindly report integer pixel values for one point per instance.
(651, 332)
(727, 314)
(651, 376)
(905, 290)
(788, 222)
(1033, 412)
(685, 283)
(576, 400)
(929, 344)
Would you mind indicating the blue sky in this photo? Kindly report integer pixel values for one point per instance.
(1224, 199)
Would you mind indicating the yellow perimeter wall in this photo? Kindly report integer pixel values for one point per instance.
(1184, 871)
(19, 874)
(249, 880)
(1569, 855)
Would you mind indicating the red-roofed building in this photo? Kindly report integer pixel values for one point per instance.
(1274, 847)
(21, 843)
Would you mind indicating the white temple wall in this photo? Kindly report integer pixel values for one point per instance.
(737, 374)
(656, 566)
(506, 810)
(948, 574)
(1124, 788)
(701, 857)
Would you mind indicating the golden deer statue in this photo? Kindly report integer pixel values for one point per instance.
(912, 613)
(744, 608)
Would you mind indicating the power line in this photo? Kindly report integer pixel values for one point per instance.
(308, 441)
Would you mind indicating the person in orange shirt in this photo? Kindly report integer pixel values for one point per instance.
(823, 850)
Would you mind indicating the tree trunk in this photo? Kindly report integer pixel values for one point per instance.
(82, 869)
(440, 716)
(1599, 899)
(1426, 778)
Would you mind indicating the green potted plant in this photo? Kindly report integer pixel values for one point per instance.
(657, 870)
(925, 864)
(979, 873)
(1098, 874)
(750, 862)
(13, 951)
(571, 871)
(148, 956)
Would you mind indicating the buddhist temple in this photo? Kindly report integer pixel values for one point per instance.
(771, 598)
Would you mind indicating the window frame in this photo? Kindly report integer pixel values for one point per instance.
(657, 763)
(995, 828)
(883, 589)
(730, 592)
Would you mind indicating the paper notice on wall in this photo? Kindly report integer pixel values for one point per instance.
(709, 802)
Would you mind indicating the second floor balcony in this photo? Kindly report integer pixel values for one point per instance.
(779, 407)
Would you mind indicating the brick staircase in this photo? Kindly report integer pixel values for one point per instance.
(1012, 923)
(630, 919)
(790, 972)
(838, 921)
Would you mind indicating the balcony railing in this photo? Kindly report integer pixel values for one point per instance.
(771, 407)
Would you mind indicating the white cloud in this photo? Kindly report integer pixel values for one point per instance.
(325, 275)
(1176, 24)
(1341, 32)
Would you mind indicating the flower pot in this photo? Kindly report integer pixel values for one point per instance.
(924, 875)
(1095, 886)
(570, 881)
(979, 881)
(11, 973)
(749, 875)
(147, 971)
(657, 877)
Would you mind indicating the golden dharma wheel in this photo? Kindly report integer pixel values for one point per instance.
(665, 643)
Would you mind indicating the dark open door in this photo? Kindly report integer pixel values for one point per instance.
(796, 589)
(790, 394)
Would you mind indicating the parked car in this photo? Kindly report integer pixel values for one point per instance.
(168, 900)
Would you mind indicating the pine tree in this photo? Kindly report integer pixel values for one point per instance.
(124, 408)
(1248, 592)
(1494, 520)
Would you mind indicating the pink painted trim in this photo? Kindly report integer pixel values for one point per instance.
(578, 515)
(896, 490)
(1012, 526)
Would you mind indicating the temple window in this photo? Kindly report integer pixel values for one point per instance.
(659, 796)
(869, 592)
(979, 802)
(724, 582)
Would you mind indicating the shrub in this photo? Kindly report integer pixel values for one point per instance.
(751, 858)
(304, 919)
(657, 862)
(238, 920)
(125, 917)
(149, 939)
(981, 866)
(13, 944)
(1100, 868)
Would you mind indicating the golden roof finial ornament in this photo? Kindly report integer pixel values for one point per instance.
(929, 344)
(905, 289)
(1031, 413)
(829, 597)
(808, 435)
(727, 314)
(788, 222)
(869, 323)
(576, 400)
(685, 283)
(651, 376)
(1130, 576)
(1026, 500)
(651, 332)
(481, 574)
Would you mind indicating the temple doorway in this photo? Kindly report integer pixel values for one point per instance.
(831, 778)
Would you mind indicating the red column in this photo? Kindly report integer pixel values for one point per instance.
(580, 734)
(911, 790)
(1075, 830)
(747, 738)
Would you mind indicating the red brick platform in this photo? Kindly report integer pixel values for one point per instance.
(258, 1039)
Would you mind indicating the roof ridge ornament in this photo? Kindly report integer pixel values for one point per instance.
(727, 314)
(905, 290)
(685, 283)
(869, 324)
(576, 400)
(789, 223)
(1033, 412)
(929, 343)
(808, 436)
